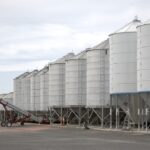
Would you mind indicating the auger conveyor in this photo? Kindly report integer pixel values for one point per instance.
(19, 110)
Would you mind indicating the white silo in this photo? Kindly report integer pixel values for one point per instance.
(34, 87)
(143, 66)
(143, 57)
(18, 90)
(57, 82)
(123, 52)
(8, 97)
(98, 75)
(44, 88)
(123, 70)
(26, 92)
(75, 81)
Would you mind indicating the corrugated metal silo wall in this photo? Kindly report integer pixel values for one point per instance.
(97, 78)
(123, 50)
(44, 91)
(143, 58)
(75, 82)
(57, 84)
(17, 92)
(35, 92)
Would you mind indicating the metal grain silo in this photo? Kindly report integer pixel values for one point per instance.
(34, 93)
(123, 70)
(75, 81)
(123, 52)
(57, 82)
(44, 88)
(143, 65)
(143, 57)
(98, 75)
(26, 91)
(19, 90)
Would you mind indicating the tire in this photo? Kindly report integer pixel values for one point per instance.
(3, 124)
(9, 124)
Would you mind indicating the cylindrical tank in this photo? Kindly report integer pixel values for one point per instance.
(44, 88)
(75, 80)
(19, 90)
(143, 57)
(123, 60)
(98, 75)
(57, 82)
(6, 97)
(25, 88)
(34, 93)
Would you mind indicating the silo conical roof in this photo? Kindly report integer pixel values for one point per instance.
(63, 59)
(130, 27)
(81, 55)
(145, 22)
(102, 45)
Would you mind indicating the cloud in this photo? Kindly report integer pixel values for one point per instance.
(42, 42)
(23, 66)
(34, 32)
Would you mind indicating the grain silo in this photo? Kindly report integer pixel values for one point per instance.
(57, 84)
(44, 88)
(25, 82)
(34, 93)
(143, 68)
(57, 81)
(8, 97)
(75, 85)
(123, 62)
(143, 57)
(98, 75)
(18, 90)
(98, 79)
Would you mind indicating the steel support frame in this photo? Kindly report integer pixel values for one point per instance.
(78, 114)
(102, 115)
(57, 114)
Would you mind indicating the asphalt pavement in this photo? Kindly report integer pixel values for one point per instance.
(46, 137)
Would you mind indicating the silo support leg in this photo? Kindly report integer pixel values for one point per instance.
(102, 121)
(110, 118)
(79, 117)
(117, 114)
(142, 119)
(146, 113)
(139, 114)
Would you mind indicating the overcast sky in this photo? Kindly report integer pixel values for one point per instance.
(34, 32)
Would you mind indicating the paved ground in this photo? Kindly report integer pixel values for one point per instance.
(44, 137)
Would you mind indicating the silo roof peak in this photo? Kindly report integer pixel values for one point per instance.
(130, 27)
